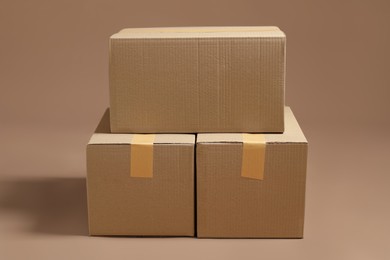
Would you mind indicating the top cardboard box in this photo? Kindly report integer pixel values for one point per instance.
(194, 80)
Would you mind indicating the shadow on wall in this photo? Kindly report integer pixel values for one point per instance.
(53, 205)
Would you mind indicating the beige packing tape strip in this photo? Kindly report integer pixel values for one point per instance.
(141, 161)
(253, 156)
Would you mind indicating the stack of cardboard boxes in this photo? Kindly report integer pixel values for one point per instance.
(197, 140)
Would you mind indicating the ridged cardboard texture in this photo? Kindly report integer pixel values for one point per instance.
(121, 204)
(189, 80)
(229, 205)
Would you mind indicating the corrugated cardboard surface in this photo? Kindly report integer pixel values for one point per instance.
(229, 205)
(292, 133)
(122, 205)
(103, 135)
(175, 80)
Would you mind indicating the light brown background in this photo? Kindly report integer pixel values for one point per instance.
(54, 75)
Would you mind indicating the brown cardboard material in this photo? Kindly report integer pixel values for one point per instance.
(119, 204)
(200, 79)
(229, 205)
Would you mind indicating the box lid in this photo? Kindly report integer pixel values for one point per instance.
(103, 135)
(292, 133)
(200, 32)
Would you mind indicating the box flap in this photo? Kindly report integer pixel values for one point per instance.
(175, 139)
(292, 133)
(103, 135)
(219, 138)
(199, 32)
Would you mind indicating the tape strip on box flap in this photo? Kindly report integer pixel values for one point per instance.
(253, 156)
(141, 153)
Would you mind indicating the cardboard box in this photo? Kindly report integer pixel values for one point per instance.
(140, 188)
(230, 204)
(192, 80)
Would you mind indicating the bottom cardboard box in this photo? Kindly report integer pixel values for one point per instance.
(140, 185)
(232, 204)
